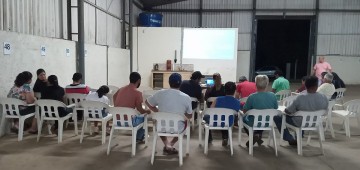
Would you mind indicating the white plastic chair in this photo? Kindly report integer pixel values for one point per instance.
(340, 94)
(311, 121)
(288, 100)
(352, 110)
(11, 111)
(74, 98)
(221, 123)
(283, 94)
(328, 119)
(167, 125)
(197, 110)
(263, 120)
(49, 111)
(93, 112)
(122, 120)
(110, 95)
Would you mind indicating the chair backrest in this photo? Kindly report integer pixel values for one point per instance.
(244, 99)
(94, 109)
(340, 93)
(122, 116)
(288, 100)
(148, 93)
(168, 122)
(49, 108)
(37, 95)
(219, 117)
(74, 98)
(11, 106)
(330, 107)
(353, 106)
(283, 94)
(310, 119)
(263, 118)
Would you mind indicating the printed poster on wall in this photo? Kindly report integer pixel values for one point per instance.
(67, 50)
(7, 48)
(43, 50)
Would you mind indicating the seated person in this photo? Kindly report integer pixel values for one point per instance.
(216, 90)
(302, 88)
(21, 90)
(41, 81)
(171, 101)
(100, 96)
(337, 82)
(259, 100)
(280, 83)
(54, 92)
(228, 102)
(327, 88)
(129, 96)
(244, 88)
(76, 86)
(192, 87)
(311, 101)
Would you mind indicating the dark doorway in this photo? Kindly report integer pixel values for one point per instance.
(283, 41)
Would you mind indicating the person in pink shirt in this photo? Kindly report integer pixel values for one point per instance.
(321, 66)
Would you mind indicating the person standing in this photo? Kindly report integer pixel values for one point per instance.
(321, 66)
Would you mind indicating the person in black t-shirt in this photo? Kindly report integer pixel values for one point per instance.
(217, 90)
(192, 87)
(54, 92)
(41, 81)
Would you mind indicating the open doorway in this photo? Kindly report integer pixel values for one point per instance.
(283, 41)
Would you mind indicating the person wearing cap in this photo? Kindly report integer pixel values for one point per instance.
(41, 81)
(76, 86)
(192, 87)
(171, 101)
(217, 90)
(244, 88)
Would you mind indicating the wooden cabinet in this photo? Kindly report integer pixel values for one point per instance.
(160, 79)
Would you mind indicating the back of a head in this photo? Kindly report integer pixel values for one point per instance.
(39, 71)
(304, 78)
(103, 90)
(134, 77)
(196, 75)
(77, 77)
(261, 81)
(279, 73)
(23, 78)
(230, 88)
(242, 79)
(175, 80)
(311, 82)
(52, 79)
(329, 77)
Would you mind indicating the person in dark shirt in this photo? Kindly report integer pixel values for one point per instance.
(192, 87)
(54, 92)
(217, 90)
(41, 81)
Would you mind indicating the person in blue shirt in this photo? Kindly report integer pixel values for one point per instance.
(228, 101)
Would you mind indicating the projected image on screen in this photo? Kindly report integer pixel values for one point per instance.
(209, 44)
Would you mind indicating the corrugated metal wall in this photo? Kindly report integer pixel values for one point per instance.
(36, 17)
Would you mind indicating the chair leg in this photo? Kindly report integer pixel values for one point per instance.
(21, 128)
(40, 128)
(270, 138)
(49, 127)
(110, 138)
(103, 132)
(181, 150)
(193, 122)
(320, 141)
(2, 124)
(299, 141)
(145, 126)
(241, 126)
(230, 140)
(133, 142)
(188, 141)
(347, 127)
(60, 130)
(331, 126)
(274, 138)
(75, 123)
(200, 134)
(251, 139)
(154, 148)
(82, 131)
(206, 145)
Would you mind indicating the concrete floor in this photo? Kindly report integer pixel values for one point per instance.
(340, 153)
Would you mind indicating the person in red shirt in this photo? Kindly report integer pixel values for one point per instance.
(76, 86)
(244, 88)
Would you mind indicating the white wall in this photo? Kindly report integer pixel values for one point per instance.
(154, 45)
(118, 67)
(346, 67)
(243, 64)
(95, 65)
(26, 56)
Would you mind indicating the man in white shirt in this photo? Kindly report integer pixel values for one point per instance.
(327, 88)
(171, 101)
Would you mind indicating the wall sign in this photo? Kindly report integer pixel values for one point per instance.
(43, 50)
(67, 51)
(7, 48)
